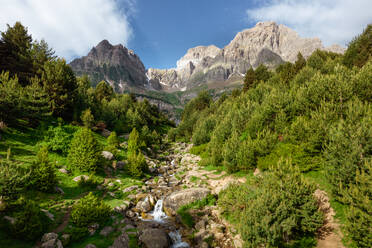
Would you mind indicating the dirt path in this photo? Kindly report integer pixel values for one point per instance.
(330, 235)
(64, 223)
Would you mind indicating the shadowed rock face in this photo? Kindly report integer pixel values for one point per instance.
(116, 65)
(267, 43)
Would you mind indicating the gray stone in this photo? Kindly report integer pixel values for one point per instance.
(131, 188)
(121, 209)
(183, 197)
(90, 246)
(78, 178)
(63, 170)
(49, 236)
(121, 242)
(107, 155)
(53, 243)
(154, 238)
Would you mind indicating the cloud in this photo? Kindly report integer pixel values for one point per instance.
(333, 21)
(71, 27)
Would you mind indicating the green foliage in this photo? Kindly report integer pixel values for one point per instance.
(137, 164)
(89, 210)
(134, 142)
(359, 50)
(58, 138)
(350, 145)
(43, 176)
(104, 91)
(277, 208)
(13, 180)
(84, 153)
(359, 218)
(61, 87)
(30, 222)
(112, 143)
(249, 79)
(87, 118)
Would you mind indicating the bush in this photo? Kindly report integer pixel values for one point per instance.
(112, 143)
(43, 176)
(137, 164)
(13, 180)
(84, 153)
(359, 218)
(58, 139)
(87, 118)
(274, 209)
(89, 210)
(30, 222)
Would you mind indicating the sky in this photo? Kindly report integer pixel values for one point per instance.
(160, 32)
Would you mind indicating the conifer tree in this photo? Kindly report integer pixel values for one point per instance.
(249, 79)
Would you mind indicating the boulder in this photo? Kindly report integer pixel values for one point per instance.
(121, 209)
(183, 197)
(63, 170)
(78, 178)
(49, 236)
(65, 238)
(121, 242)
(144, 205)
(90, 246)
(105, 132)
(154, 238)
(11, 220)
(131, 188)
(50, 240)
(107, 155)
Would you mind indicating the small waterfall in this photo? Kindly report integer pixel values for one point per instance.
(177, 240)
(158, 213)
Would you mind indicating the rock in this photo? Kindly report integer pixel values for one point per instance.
(105, 132)
(65, 238)
(93, 228)
(131, 188)
(78, 178)
(48, 214)
(106, 231)
(121, 209)
(238, 243)
(144, 206)
(49, 236)
(90, 246)
(121, 242)
(120, 165)
(257, 172)
(59, 190)
(53, 243)
(154, 238)
(107, 155)
(130, 214)
(11, 220)
(183, 197)
(200, 225)
(63, 170)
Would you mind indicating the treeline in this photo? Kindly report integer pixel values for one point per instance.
(315, 113)
(35, 84)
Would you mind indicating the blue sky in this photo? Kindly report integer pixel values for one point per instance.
(164, 30)
(161, 31)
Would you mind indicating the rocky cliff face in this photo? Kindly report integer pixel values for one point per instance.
(117, 65)
(267, 43)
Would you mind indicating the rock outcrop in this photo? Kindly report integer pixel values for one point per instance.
(117, 65)
(267, 43)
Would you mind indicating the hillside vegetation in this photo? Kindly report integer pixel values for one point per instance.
(306, 125)
(56, 147)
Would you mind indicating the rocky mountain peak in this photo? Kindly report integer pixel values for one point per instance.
(115, 64)
(196, 54)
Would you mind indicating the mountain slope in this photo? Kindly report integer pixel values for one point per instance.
(267, 43)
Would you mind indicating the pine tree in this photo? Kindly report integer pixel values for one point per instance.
(87, 118)
(84, 153)
(15, 55)
(104, 91)
(43, 174)
(249, 79)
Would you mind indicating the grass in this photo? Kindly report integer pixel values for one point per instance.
(24, 143)
(184, 214)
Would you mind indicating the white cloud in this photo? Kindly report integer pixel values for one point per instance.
(333, 21)
(71, 27)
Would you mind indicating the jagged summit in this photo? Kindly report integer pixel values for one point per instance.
(266, 43)
(115, 64)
